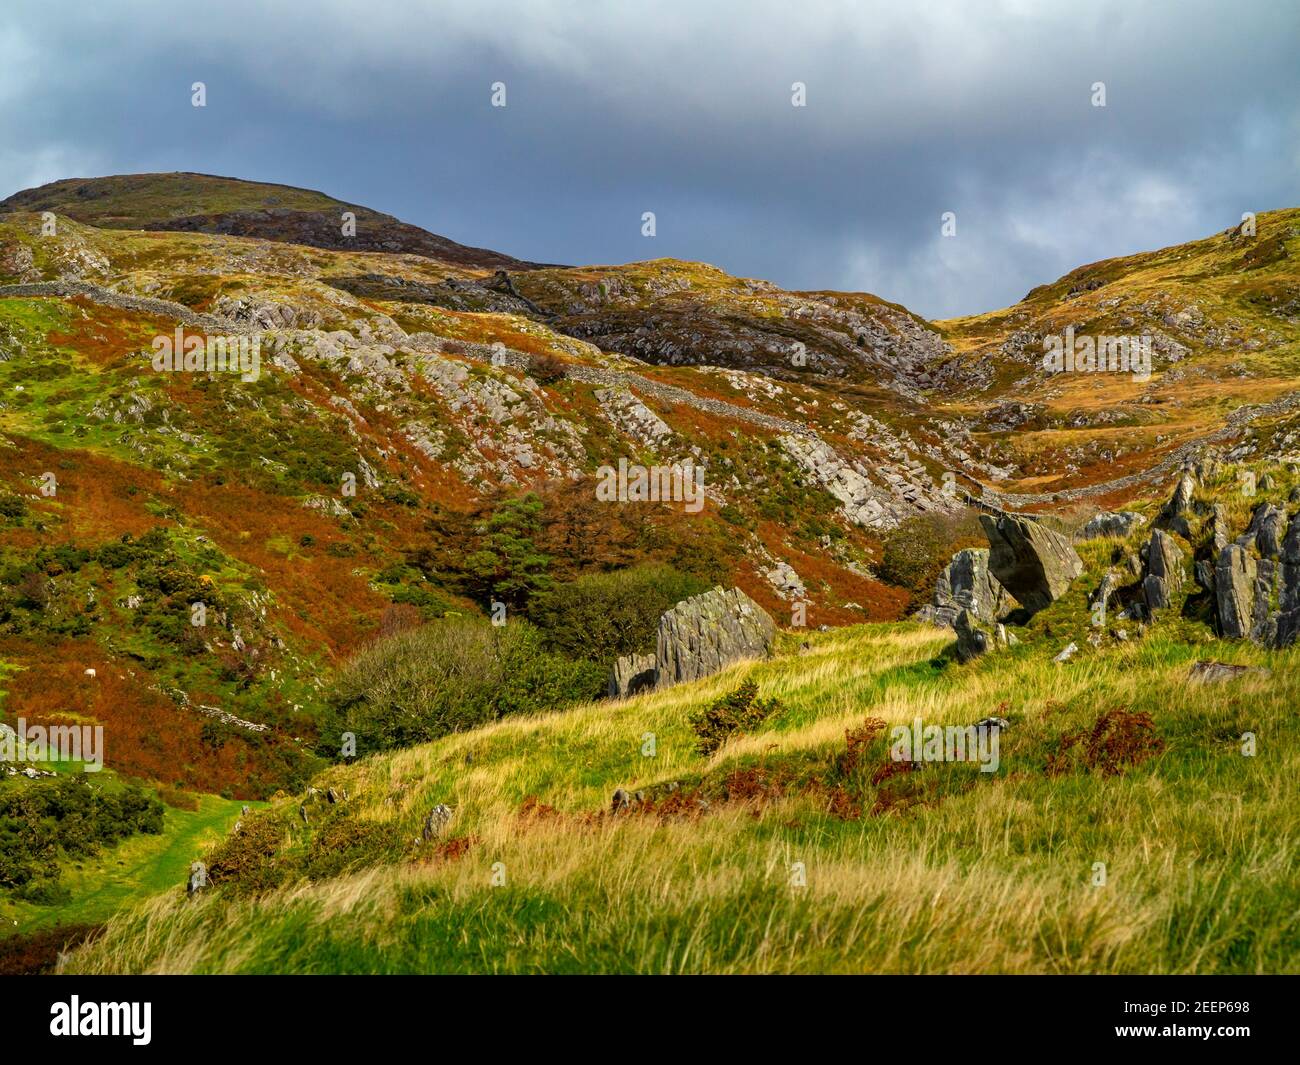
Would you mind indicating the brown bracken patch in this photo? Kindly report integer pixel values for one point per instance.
(1119, 740)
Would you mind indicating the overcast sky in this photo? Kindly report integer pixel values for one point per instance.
(683, 108)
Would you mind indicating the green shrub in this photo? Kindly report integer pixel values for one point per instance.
(447, 676)
(248, 861)
(347, 843)
(916, 552)
(44, 821)
(602, 616)
(736, 712)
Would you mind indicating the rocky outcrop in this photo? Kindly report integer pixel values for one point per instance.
(632, 417)
(860, 501)
(1257, 581)
(1100, 599)
(704, 634)
(1265, 532)
(1117, 525)
(966, 584)
(1030, 561)
(632, 674)
(697, 638)
(1288, 618)
(786, 582)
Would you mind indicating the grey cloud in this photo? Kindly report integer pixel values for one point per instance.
(683, 108)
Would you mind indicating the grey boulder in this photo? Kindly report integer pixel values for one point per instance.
(631, 674)
(1030, 561)
(965, 584)
(704, 634)
(1118, 525)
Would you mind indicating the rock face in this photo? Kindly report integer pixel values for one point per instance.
(786, 582)
(1265, 532)
(1234, 589)
(860, 501)
(1164, 571)
(632, 674)
(1106, 524)
(697, 638)
(1257, 581)
(1288, 619)
(1030, 561)
(966, 584)
(633, 417)
(701, 635)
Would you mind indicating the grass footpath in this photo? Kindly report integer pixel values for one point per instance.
(140, 866)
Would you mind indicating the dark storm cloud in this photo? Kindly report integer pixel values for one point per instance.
(684, 109)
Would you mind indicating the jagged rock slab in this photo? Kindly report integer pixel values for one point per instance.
(1234, 585)
(1165, 576)
(631, 674)
(966, 584)
(1174, 515)
(704, 634)
(1030, 561)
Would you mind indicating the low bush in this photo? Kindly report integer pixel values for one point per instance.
(48, 820)
(915, 553)
(448, 676)
(734, 713)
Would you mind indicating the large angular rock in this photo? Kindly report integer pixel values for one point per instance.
(966, 584)
(1030, 561)
(1164, 573)
(1234, 589)
(1263, 623)
(1175, 514)
(1105, 590)
(1217, 527)
(702, 635)
(1215, 537)
(1107, 524)
(631, 674)
(1265, 532)
(1288, 619)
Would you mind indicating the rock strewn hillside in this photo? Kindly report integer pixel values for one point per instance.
(444, 386)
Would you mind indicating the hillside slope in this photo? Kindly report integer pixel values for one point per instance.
(428, 424)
